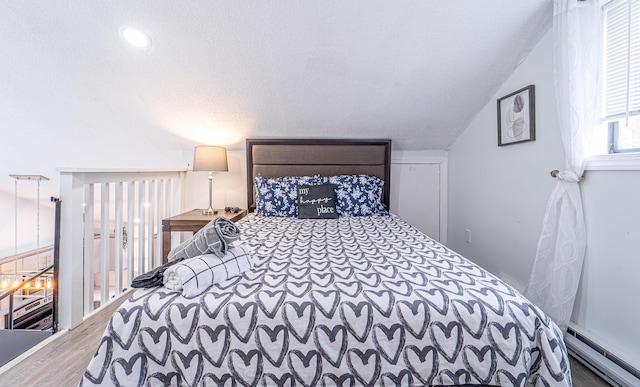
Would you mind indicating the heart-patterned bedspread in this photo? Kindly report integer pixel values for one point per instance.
(350, 301)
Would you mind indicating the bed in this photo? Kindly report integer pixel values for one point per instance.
(354, 300)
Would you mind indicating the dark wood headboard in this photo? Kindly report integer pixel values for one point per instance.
(277, 157)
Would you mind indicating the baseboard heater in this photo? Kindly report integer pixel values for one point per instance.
(606, 365)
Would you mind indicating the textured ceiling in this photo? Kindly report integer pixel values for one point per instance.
(73, 94)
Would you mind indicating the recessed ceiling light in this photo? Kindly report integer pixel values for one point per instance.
(135, 37)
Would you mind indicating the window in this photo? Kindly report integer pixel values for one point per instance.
(622, 74)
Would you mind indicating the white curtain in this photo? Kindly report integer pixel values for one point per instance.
(561, 247)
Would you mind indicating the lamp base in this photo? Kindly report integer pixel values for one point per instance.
(209, 211)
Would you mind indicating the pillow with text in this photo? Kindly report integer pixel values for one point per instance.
(317, 202)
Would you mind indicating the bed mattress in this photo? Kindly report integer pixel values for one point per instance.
(350, 301)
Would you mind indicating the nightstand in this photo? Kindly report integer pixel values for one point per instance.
(191, 221)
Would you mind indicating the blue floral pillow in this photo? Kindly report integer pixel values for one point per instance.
(357, 195)
(279, 196)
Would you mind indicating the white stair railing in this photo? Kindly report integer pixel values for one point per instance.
(111, 231)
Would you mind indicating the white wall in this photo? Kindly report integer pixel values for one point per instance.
(500, 193)
(607, 303)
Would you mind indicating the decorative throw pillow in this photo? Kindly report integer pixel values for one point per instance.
(357, 195)
(317, 202)
(279, 196)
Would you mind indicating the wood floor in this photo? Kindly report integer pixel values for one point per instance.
(62, 362)
(584, 377)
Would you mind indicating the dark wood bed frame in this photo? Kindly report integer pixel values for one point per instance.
(277, 157)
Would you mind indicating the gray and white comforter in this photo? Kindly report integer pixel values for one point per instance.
(350, 301)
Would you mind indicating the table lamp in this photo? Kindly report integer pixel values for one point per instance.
(211, 159)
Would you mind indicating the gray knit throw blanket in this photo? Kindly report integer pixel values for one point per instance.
(214, 238)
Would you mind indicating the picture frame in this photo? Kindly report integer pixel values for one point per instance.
(517, 117)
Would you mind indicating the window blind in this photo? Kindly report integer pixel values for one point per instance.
(622, 58)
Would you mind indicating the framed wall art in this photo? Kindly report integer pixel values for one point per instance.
(517, 117)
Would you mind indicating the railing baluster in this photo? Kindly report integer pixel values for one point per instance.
(166, 210)
(104, 243)
(177, 207)
(117, 240)
(149, 225)
(10, 322)
(130, 235)
(141, 189)
(89, 247)
(159, 196)
(166, 188)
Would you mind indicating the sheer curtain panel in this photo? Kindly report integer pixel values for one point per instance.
(553, 282)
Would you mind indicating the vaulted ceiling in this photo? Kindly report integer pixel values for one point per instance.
(74, 94)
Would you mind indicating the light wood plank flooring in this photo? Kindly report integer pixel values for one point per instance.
(584, 377)
(62, 362)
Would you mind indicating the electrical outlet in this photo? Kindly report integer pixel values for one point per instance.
(467, 235)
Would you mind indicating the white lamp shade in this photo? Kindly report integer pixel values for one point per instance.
(210, 158)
